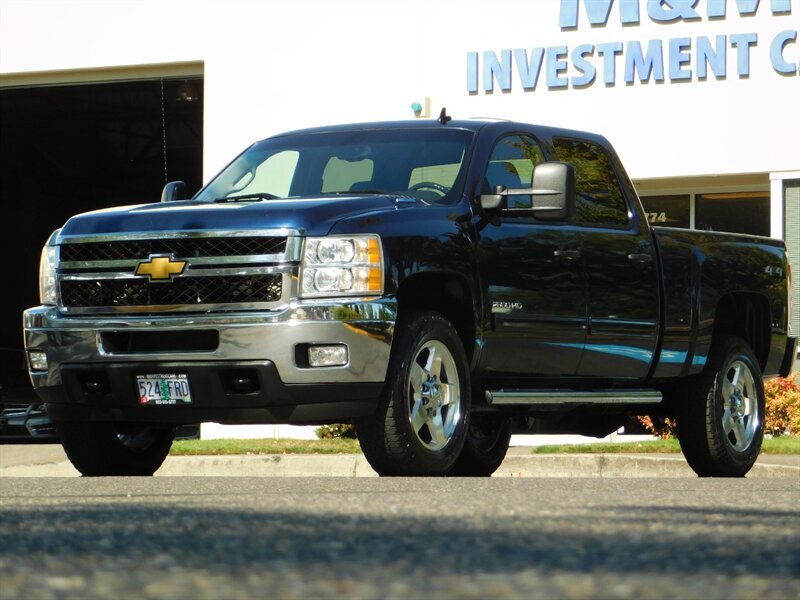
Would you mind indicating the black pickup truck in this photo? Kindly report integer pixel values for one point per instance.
(437, 283)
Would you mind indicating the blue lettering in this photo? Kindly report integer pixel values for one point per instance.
(717, 9)
(710, 57)
(679, 56)
(652, 62)
(742, 43)
(586, 68)
(496, 69)
(472, 72)
(671, 11)
(529, 69)
(556, 66)
(609, 53)
(776, 52)
(597, 11)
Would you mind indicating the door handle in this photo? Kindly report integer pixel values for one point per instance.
(641, 258)
(567, 254)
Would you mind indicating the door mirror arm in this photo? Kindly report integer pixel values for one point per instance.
(497, 201)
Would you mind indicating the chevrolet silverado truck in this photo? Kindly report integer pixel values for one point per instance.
(436, 283)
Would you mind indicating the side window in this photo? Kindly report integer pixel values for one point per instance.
(600, 199)
(511, 165)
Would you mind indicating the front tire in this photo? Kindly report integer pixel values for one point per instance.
(421, 421)
(721, 419)
(100, 449)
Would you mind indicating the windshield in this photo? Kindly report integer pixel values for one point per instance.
(428, 164)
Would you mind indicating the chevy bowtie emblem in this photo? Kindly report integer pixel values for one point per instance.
(160, 268)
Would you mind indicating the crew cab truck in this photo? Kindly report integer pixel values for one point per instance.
(437, 283)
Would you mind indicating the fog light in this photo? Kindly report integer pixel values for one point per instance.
(37, 360)
(327, 356)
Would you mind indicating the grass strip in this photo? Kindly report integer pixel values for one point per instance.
(779, 445)
(653, 447)
(264, 446)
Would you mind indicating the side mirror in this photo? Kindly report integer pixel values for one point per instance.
(174, 190)
(496, 201)
(553, 191)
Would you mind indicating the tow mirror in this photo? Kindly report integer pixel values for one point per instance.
(174, 190)
(553, 191)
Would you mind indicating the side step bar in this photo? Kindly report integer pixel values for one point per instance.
(548, 397)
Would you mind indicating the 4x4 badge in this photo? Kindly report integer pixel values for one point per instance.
(160, 268)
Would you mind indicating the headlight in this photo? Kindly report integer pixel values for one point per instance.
(336, 266)
(47, 276)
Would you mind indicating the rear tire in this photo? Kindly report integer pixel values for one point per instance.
(421, 421)
(720, 422)
(486, 445)
(100, 449)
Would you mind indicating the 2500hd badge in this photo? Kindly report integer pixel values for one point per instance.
(437, 283)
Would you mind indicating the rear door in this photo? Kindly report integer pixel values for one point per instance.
(620, 263)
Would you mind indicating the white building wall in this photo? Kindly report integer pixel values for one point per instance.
(272, 66)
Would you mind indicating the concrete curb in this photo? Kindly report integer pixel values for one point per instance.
(355, 465)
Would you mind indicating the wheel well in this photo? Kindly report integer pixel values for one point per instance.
(446, 294)
(747, 316)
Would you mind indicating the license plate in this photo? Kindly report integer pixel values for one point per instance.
(163, 388)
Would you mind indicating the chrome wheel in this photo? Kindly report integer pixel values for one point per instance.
(721, 415)
(433, 395)
(421, 422)
(740, 416)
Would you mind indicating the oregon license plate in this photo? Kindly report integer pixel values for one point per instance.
(163, 388)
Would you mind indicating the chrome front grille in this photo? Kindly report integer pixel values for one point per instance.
(224, 271)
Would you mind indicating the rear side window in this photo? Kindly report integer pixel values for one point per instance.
(600, 199)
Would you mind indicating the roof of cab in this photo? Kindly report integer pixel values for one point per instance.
(473, 125)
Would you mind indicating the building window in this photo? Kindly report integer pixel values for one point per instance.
(668, 211)
(737, 212)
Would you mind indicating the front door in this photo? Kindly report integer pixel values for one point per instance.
(532, 275)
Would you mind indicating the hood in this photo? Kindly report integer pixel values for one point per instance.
(313, 216)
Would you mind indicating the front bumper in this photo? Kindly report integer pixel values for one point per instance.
(88, 376)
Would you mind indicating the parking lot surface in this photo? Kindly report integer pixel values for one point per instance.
(210, 537)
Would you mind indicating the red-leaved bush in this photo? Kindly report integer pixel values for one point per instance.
(783, 406)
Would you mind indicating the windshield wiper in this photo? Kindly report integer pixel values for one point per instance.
(246, 197)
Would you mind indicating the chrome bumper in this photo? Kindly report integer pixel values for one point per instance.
(365, 326)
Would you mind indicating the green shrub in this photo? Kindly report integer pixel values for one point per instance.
(783, 406)
(336, 431)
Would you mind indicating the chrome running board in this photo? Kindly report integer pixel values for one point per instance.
(539, 397)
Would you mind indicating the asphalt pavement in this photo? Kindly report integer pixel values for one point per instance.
(50, 461)
(275, 537)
